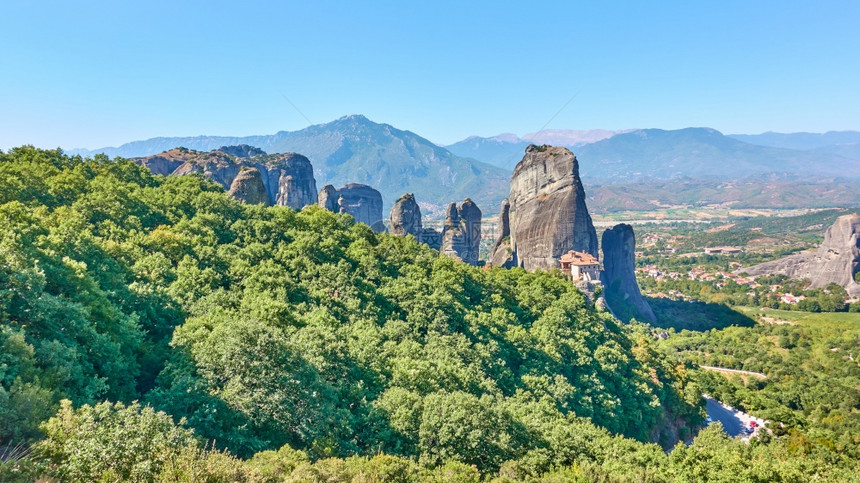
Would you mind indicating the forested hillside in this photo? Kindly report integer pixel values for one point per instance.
(265, 344)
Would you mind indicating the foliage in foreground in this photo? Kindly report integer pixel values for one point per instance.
(114, 442)
(262, 329)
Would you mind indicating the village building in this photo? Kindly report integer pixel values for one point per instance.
(580, 266)
(722, 250)
(791, 299)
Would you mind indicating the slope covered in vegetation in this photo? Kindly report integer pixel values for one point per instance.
(245, 329)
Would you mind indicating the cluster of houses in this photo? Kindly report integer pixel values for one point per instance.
(719, 276)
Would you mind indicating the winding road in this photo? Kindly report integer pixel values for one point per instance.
(733, 421)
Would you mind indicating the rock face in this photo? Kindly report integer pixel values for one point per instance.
(288, 179)
(547, 216)
(461, 236)
(328, 198)
(501, 253)
(619, 278)
(241, 151)
(363, 203)
(837, 260)
(433, 238)
(248, 187)
(405, 217)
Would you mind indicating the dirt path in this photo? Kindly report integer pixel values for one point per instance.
(757, 375)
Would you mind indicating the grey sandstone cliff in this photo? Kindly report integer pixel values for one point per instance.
(619, 276)
(288, 179)
(241, 151)
(405, 217)
(363, 203)
(548, 216)
(501, 253)
(328, 198)
(248, 187)
(461, 236)
(836, 260)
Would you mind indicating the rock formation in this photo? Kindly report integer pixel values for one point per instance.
(501, 253)
(248, 187)
(836, 260)
(405, 217)
(433, 238)
(547, 216)
(241, 151)
(363, 203)
(288, 178)
(619, 278)
(328, 198)
(461, 236)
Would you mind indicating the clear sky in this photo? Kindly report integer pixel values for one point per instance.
(93, 74)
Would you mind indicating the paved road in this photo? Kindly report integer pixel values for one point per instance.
(733, 421)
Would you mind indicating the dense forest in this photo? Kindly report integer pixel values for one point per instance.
(811, 390)
(152, 329)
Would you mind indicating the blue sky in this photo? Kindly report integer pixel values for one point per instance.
(92, 74)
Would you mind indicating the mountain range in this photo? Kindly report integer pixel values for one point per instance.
(354, 149)
(644, 154)
(633, 169)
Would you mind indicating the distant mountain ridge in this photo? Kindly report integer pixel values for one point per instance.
(702, 153)
(800, 140)
(646, 154)
(666, 166)
(506, 150)
(843, 143)
(354, 149)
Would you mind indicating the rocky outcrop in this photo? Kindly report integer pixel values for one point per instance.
(241, 151)
(433, 238)
(328, 198)
(548, 216)
(288, 179)
(297, 187)
(619, 276)
(461, 236)
(405, 217)
(248, 187)
(836, 260)
(363, 203)
(501, 253)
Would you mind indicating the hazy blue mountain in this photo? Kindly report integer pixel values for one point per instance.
(801, 140)
(160, 144)
(571, 137)
(354, 149)
(506, 150)
(701, 153)
(503, 151)
(849, 150)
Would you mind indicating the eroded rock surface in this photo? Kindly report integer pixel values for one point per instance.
(405, 217)
(248, 187)
(461, 236)
(328, 198)
(288, 178)
(501, 253)
(363, 203)
(547, 215)
(619, 276)
(836, 260)
(241, 151)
